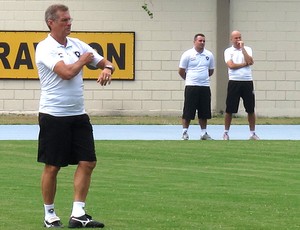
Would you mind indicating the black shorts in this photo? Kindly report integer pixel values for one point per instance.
(237, 90)
(65, 140)
(197, 98)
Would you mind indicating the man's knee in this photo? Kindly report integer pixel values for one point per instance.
(51, 169)
(88, 164)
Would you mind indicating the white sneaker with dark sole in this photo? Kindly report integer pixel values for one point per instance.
(185, 136)
(225, 137)
(254, 137)
(53, 222)
(206, 137)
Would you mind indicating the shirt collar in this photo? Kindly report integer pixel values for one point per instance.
(58, 44)
(196, 52)
(235, 48)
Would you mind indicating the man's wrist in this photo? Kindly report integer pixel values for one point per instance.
(109, 67)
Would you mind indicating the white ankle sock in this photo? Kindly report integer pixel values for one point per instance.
(78, 209)
(49, 211)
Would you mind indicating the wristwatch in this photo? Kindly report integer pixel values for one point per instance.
(109, 67)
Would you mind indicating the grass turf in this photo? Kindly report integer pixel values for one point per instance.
(14, 119)
(164, 185)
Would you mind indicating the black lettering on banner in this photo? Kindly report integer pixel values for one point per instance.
(99, 50)
(3, 55)
(23, 49)
(113, 54)
(20, 55)
(97, 47)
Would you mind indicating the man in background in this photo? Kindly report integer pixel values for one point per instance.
(239, 59)
(195, 67)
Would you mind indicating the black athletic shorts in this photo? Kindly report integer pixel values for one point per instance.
(197, 98)
(65, 140)
(237, 90)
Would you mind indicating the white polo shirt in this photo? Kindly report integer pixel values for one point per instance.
(196, 66)
(236, 55)
(61, 97)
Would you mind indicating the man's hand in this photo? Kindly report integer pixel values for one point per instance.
(104, 77)
(240, 44)
(68, 71)
(86, 58)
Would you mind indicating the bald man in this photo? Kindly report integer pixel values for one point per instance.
(238, 59)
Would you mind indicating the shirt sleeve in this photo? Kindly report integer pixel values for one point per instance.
(212, 62)
(46, 56)
(183, 64)
(88, 48)
(227, 55)
(249, 50)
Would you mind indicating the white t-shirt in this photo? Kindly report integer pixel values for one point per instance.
(61, 97)
(236, 55)
(196, 66)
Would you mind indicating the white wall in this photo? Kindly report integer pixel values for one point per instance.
(270, 27)
(160, 41)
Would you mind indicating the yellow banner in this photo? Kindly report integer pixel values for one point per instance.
(17, 53)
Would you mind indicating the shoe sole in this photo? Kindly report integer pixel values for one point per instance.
(77, 223)
(50, 225)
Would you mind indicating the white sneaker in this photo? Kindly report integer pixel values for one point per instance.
(205, 137)
(185, 136)
(53, 222)
(254, 137)
(225, 137)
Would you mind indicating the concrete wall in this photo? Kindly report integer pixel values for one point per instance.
(271, 28)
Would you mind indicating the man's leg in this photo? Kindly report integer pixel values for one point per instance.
(203, 126)
(185, 123)
(49, 183)
(203, 123)
(251, 120)
(228, 119)
(227, 123)
(82, 179)
(185, 126)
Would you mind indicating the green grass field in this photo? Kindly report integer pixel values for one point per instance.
(16, 119)
(164, 185)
